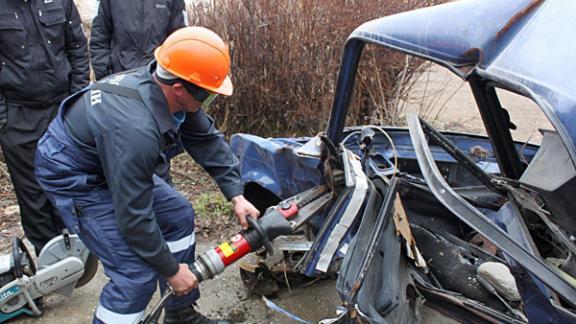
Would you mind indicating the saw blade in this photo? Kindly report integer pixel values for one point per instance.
(90, 269)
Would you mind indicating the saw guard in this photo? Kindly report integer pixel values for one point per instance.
(64, 246)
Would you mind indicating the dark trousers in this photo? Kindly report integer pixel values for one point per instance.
(18, 138)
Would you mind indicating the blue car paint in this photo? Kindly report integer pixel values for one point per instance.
(272, 164)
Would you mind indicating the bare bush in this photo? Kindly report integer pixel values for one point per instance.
(87, 10)
(285, 61)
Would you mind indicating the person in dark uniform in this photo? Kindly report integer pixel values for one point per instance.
(124, 36)
(43, 59)
(96, 163)
(125, 33)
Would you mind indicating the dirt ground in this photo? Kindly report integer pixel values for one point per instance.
(226, 296)
(223, 297)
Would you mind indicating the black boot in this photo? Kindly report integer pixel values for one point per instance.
(188, 315)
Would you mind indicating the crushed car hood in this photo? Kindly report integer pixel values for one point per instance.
(502, 40)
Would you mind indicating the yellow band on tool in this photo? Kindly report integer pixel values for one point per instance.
(226, 249)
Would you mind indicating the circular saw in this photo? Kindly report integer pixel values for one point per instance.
(63, 264)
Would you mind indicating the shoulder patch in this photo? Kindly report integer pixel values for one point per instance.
(95, 97)
(116, 79)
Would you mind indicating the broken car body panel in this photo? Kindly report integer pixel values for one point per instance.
(508, 203)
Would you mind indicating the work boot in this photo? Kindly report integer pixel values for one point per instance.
(189, 315)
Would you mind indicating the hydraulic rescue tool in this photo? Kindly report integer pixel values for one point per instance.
(283, 219)
(63, 264)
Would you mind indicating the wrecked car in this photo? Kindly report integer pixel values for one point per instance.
(418, 216)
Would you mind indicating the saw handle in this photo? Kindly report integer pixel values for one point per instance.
(17, 257)
(19, 251)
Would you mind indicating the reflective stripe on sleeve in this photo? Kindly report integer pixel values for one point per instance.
(182, 244)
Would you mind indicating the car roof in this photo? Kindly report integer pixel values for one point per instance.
(526, 46)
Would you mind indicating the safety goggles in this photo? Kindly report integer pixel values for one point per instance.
(203, 96)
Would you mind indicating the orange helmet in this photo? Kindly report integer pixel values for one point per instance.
(199, 56)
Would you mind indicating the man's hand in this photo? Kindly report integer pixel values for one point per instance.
(242, 209)
(184, 281)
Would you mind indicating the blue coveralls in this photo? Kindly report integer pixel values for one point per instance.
(139, 226)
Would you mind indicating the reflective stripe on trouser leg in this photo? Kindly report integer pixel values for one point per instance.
(133, 281)
(104, 315)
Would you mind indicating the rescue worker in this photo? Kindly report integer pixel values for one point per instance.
(97, 159)
(125, 33)
(43, 59)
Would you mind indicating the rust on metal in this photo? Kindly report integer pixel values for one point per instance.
(475, 54)
(518, 16)
(355, 287)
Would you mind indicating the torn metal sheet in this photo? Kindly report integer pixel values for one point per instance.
(403, 229)
(375, 282)
(471, 216)
(355, 178)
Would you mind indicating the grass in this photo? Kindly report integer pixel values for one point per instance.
(212, 205)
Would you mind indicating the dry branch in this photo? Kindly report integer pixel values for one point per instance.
(285, 59)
